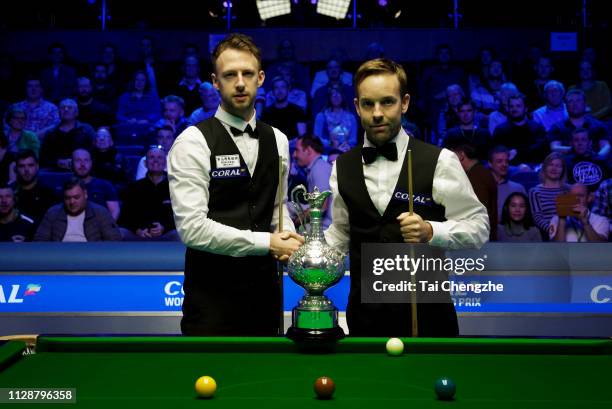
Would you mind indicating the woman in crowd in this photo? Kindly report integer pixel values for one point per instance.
(336, 125)
(516, 221)
(543, 196)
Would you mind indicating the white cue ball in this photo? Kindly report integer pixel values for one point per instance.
(395, 346)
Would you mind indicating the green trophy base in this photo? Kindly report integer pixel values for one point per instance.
(315, 327)
(315, 340)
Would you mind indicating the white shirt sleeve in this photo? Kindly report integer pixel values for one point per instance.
(467, 221)
(189, 178)
(337, 235)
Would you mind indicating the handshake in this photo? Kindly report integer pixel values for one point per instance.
(283, 244)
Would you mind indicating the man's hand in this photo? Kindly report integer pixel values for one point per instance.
(582, 213)
(283, 244)
(414, 229)
(156, 230)
(144, 233)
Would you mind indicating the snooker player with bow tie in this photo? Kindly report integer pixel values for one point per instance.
(370, 205)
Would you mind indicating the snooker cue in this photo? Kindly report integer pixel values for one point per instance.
(281, 328)
(413, 305)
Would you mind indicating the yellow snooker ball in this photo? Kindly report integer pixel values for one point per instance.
(205, 387)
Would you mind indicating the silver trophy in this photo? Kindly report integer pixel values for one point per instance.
(315, 266)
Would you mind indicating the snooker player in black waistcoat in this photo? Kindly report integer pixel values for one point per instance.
(224, 181)
(366, 209)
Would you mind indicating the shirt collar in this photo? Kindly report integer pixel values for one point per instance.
(400, 140)
(234, 121)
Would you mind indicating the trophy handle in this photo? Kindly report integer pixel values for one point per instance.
(295, 201)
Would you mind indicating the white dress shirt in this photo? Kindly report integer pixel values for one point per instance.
(189, 177)
(467, 221)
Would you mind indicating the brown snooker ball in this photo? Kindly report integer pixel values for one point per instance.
(324, 387)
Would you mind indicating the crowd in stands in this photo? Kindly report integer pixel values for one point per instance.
(83, 146)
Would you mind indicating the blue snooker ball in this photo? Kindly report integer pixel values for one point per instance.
(445, 389)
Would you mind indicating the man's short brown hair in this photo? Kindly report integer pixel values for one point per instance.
(381, 66)
(236, 41)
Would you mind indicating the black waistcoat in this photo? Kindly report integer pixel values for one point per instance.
(227, 295)
(368, 226)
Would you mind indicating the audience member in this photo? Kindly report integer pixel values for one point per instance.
(147, 210)
(77, 220)
(18, 137)
(554, 111)
(516, 221)
(480, 70)
(116, 75)
(467, 131)
(500, 116)
(138, 110)
(286, 60)
(108, 164)
(58, 79)
(33, 198)
(294, 95)
(542, 197)
(481, 179)
(584, 225)
(210, 101)
(583, 166)
(602, 203)
(448, 117)
(91, 110)
(525, 138)
(41, 115)
(321, 95)
(307, 155)
(99, 191)
(61, 141)
(14, 226)
(484, 95)
(164, 138)
(597, 93)
(103, 90)
(336, 125)
(535, 88)
(499, 163)
(173, 114)
(332, 74)
(188, 87)
(283, 114)
(560, 134)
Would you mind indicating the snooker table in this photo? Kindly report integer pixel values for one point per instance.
(152, 372)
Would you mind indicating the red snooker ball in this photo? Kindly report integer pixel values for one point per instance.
(324, 387)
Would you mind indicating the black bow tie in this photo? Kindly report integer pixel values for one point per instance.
(388, 150)
(252, 132)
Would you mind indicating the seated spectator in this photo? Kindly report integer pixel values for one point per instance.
(435, 79)
(33, 198)
(554, 111)
(7, 161)
(542, 197)
(41, 115)
(583, 166)
(468, 132)
(307, 155)
(481, 179)
(283, 114)
(480, 71)
(61, 141)
(321, 95)
(164, 138)
(294, 95)
(286, 60)
(103, 90)
(602, 203)
(91, 110)
(535, 88)
(77, 220)
(516, 221)
(210, 99)
(108, 164)
(585, 226)
(484, 95)
(560, 134)
(597, 93)
(99, 191)
(173, 114)
(14, 226)
(500, 116)
(147, 210)
(448, 117)
(58, 79)
(137, 111)
(525, 138)
(18, 136)
(188, 87)
(116, 73)
(499, 163)
(332, 74)
(336, 125)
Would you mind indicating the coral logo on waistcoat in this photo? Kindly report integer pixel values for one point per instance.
(417, 198)
(229, 173)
